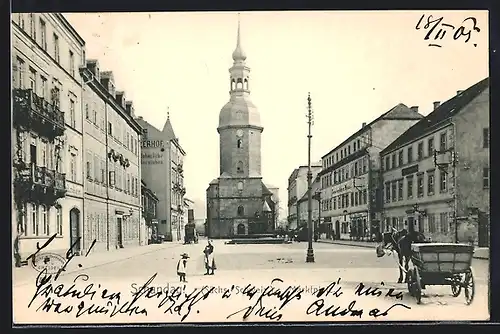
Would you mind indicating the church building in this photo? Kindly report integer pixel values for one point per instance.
(238, 202)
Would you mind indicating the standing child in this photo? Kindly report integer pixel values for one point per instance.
(181, 267)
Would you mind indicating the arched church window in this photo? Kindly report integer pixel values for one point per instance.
(246, 84)
(233, 84)
(239, 167)
(240, 186)
(239, 83)
(239, 143)
(241, 211)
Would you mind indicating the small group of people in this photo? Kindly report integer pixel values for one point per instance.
(208, 259)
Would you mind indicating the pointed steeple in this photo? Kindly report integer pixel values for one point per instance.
(238, 53)
(168, 130)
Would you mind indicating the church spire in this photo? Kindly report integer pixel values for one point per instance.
(238, 53)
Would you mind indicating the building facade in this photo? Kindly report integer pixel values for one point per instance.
(303, 206)
(162, 161)
(46, 133)
(276, 201)
(112, 166)
(186, 207)
(436, 174)
(350, 178)
(236, 200)
(297, 187)
(149, 204)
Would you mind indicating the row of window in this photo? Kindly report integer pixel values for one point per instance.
(39, 84)
(394, 189)
(397, 159)
(350, 199)
(41, 38)
(38, 222)
(354, 169)
(119, 132)
(344, 152)
(117, 178)
(148, 204)
(96, 227)
(428, 224)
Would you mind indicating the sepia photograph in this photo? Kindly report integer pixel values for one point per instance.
(250, 167)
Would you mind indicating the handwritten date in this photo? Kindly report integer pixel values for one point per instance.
(437, 29)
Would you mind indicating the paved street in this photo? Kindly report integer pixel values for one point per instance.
(240, 265)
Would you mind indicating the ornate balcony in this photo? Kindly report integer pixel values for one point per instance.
(39, 184)
(180, 168)
(34, 112)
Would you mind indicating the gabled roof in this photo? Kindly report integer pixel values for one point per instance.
(398, 112)
(440, 115)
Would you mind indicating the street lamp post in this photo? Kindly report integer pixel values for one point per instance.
(310, 251)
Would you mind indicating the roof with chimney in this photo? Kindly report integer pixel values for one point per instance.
(439, 115)
(398, 112)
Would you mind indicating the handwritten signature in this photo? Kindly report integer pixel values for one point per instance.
(69, 254)
(437, 29)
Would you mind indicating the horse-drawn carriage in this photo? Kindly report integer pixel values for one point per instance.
(441, 264)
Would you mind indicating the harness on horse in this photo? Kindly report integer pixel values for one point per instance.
(390, 251)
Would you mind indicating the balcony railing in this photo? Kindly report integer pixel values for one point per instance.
(34, 112)
(40, 184)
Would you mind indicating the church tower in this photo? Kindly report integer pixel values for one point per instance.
(239, 123)
(238, 200)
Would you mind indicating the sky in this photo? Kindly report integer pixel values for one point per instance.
(356, 65)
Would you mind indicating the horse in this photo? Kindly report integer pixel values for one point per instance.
(400, 242)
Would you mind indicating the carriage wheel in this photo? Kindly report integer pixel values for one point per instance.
(456, 286)
(469, 286)
(410, 282)
(417, 286)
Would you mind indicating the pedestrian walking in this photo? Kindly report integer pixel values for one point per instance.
(181, 267)
(209, 258)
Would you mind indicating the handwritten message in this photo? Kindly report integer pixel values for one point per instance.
(83, 297)
(437, 29)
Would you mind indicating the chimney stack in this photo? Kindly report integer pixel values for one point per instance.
(363, 125)
(459, 92)
(414, 108)
(436, 104)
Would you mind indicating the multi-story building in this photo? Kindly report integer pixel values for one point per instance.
(47, 132)
(187, 206)
(149, 204)
(436, 174)
(162, 162)
(112, 166)
(350, 179)
(297, 187)
(303, 202)
(276, 200)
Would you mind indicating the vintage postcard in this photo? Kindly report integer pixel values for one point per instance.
(251, 167)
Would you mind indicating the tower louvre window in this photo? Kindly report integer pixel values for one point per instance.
(239, 167)
(241, 211)
(239, 143)
(239, 84)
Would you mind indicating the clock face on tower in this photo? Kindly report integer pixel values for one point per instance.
(239, 133)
